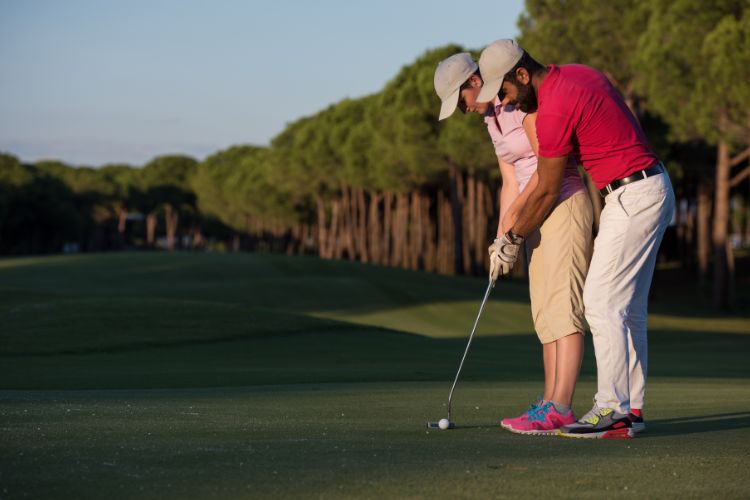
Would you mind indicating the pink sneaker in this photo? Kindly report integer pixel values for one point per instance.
(508, 423)
(545, 421)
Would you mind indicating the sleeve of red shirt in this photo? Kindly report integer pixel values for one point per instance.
(555, 134)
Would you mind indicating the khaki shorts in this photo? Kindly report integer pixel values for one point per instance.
(559, 254)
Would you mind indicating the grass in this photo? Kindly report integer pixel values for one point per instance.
(255, 376)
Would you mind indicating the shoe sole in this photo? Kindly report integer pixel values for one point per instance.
(552, 432)
(626, 433)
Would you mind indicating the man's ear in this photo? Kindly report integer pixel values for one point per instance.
(523, 76)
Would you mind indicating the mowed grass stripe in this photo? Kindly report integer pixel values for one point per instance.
(364, 441)
(195, 320)
(256, 376)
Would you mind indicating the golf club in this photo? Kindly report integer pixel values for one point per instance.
(450, 424)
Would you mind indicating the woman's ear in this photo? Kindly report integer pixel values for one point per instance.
(475, 81)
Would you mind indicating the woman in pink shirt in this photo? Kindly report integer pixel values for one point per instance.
(558, 253)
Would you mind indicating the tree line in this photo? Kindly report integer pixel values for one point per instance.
(377, 179)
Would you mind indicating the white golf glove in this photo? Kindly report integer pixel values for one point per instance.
(503, 254)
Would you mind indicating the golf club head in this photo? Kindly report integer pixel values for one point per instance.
(435, 425)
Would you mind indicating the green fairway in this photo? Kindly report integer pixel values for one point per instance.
(253, 376)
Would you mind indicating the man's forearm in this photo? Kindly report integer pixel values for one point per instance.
(534, 211)
(550, 173)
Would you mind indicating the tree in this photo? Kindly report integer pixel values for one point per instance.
(695, 67)
(95, 196)
(303, 166)
(37, 212)
(412, 150)
(603, 35)
(210, 184)
(237, 187)
(166, 184)
(124, 179)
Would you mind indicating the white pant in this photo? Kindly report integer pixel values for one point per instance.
(616, 291)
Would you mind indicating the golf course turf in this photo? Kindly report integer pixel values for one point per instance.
(198, 375)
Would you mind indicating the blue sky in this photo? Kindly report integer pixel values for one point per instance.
(99, 81)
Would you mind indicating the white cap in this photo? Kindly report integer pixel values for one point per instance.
(496, 60)
(450, 74)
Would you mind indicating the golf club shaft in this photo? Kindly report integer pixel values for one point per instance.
(468, 344)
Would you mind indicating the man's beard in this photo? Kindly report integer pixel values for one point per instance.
(526, 98)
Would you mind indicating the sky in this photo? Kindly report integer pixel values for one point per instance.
(92, 82)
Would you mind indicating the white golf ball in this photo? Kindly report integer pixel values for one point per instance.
(444, 423)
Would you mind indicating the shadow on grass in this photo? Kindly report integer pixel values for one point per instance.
(695, 425)
(295, 284)
(336, 352)
(671, 426)
(265, 281)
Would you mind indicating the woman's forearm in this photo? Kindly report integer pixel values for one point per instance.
(511, 215)
(508, 197)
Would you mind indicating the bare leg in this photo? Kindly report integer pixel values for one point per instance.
(569, 354)
(549, 353)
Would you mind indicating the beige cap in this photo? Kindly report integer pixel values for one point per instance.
(496, 60)
(450, 74)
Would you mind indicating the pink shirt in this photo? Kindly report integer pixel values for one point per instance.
(505, 126)
(582, 114)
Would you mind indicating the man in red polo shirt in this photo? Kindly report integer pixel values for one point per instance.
(581, 114)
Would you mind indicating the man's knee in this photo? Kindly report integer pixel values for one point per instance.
(598, 310)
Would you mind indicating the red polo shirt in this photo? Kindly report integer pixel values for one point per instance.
(582, 114)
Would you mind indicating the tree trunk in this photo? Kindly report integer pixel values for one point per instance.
(456, 187)
(394, 239)
(417, 228)
(703, 237)
(428, 233)
(722, 250)
(690, 234)
(254, 237)
(447, 247)
(362, 225)
(406, 229)
(469, 224)
(304, 238)
(376, 236)
(122, 224)
(197, 236)
(322, 227)
(347, 222)
(491, 221)
(151, 221)
(439, 233)
(335, 244)
(171, 218)
(399, 236)
(481, 225)
(293, 239)
(387, 222)
(680, 228)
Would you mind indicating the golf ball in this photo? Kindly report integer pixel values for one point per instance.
(444, 423)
